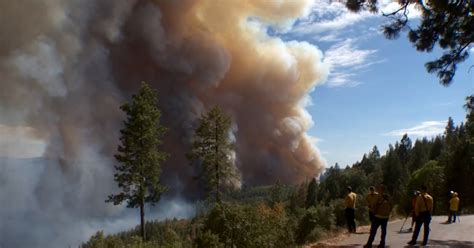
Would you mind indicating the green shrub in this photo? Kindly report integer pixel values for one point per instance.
(337, 206)
(317, 219)
(250, 226)
(362, 211)
(168, 233)
(431, 175)
(208, 240)
(96, 241)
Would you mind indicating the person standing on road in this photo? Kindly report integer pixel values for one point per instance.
(423, 211)
(382, 210)
(453, 207)
(413, 204)
(349, 202)
(371, 199)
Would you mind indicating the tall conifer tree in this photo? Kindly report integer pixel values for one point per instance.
(212, 149)
(139, 156)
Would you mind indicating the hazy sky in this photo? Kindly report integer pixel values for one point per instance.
(378, 89)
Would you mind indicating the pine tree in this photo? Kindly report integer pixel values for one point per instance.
(403, 149)
(374, 155)
(469, 144)
(369, 162)
(212, 149)
(298, 198)
(469, 127)
(311, 193)
(436, 148)
(419, 155)
(450, 135)
(395, 174)
(331, 184)
(276, 194)
(139, 156)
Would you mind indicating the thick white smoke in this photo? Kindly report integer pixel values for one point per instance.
(66, 66)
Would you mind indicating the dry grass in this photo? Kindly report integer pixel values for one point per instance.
(336, 237)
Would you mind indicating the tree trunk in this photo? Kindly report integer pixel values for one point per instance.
(142, 220)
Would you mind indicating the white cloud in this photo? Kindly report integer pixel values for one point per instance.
(342, 79)
(346, 54)
(327, 16)
(344, 60)
(338, 23)
(424, 129)
(330, 38)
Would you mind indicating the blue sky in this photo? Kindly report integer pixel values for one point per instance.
(378, 89)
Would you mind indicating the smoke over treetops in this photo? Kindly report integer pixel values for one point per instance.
(66, 66)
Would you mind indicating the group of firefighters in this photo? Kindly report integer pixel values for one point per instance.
(380, 207)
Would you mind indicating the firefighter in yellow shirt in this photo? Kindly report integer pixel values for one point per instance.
(453, 207)
(349, 203)
(371, 199)
(381, 209)
(423, 211)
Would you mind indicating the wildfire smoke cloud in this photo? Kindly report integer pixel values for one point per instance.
(66, 66)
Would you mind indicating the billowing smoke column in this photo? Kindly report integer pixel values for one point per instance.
(66, 66)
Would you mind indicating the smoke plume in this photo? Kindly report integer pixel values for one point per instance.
(66, 66)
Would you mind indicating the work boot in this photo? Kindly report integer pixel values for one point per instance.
(411, 242)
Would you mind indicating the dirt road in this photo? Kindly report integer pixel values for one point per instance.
(459, 234)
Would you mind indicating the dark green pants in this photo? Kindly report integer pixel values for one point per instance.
(424, 218)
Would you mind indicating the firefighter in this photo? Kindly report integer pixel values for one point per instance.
(349, 202)
(413, 203)
(423, 212)
(382, 209)
(453, 207)
(371, 199)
